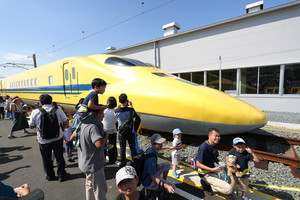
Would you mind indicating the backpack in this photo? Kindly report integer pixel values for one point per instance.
(49, 127)
(127, 126)
(193, 162)
(138, 164)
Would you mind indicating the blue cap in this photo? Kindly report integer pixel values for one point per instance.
(176, 131)
(238, 140)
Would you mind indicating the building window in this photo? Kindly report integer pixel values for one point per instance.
(213, 79)
(66, 74)
(228, 80)
(186, 76)
(50, 79)
(175, 75)
(198, 77)
(269, 80)
(73, 73)
(292, 79)
(249, 80)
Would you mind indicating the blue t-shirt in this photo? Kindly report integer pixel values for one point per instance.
(7, 191)
(150, 167)
(206, 155)
(92, 96)
(242, 160)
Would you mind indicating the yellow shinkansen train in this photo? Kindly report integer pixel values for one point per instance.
(163, 101)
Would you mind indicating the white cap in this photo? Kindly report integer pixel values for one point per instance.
(176, 131)
(156, 138)
(127, 172)
(238, 140)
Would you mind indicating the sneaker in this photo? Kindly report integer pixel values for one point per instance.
(26, 132)
(244, 197)
(231, 197)
(70, 155)
(54, 178)
(11, 137)
(175, 175)
(70, 159)
(108, 147)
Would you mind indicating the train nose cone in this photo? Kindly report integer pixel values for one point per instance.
(231, 114)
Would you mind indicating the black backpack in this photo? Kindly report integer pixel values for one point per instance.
(127, 126)
(49, 127)
(138, 164)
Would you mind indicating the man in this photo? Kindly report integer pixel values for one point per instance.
(152, 171)
(53, 144)
(91, 157)
(127, 180)
(124, 113)
(207, 156)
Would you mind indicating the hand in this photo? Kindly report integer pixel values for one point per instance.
(129, 103)
(249, 150)
(170, 189)
(217, 169)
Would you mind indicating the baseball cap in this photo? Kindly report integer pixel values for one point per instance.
(176, 131)
(238, 140)
(127, 172)
(156, 138)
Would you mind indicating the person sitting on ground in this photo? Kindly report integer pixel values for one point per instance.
(243, 154)
(7, 191)
(126, 181)
(152, 171)
(205, 161)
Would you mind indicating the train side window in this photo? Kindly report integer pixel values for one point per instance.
(67, 74)
(35, 82)
(28, 85)
(50, 79)
(73, 73)
(22, 84)
(25, 83)
(31, 82)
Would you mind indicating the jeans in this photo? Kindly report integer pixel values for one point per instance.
(69, 147)
(46, 150)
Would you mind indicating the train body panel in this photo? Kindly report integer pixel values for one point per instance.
(163, 100)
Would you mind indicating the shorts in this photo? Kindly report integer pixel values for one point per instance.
(176, 158)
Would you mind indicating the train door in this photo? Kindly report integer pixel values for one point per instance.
(70, 79)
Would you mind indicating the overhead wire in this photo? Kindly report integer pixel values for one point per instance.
(109, 27)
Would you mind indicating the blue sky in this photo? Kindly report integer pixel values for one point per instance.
(55, 29)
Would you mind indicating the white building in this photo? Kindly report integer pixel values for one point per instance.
(258, 54)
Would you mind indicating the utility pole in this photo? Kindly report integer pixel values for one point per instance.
(34, 60)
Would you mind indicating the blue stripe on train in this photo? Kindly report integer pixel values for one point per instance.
(58, 88)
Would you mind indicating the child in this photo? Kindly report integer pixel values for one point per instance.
(127, 180)
(109, 125)
(68, 142)
(90, 102)
(176, 153)
(243, 154)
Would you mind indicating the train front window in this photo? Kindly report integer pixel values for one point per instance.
(124, 62)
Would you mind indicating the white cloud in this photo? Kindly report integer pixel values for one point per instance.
(14, 57)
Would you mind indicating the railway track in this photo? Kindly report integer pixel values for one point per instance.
(290, 156)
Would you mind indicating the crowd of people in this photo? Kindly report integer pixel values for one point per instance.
(94, 129)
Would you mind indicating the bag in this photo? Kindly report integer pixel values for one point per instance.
(193, 162)
(49, 127)
(127, 126)
(138, 164)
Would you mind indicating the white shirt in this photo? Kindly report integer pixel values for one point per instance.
(35, 120)
(178, 146)
(109, 121)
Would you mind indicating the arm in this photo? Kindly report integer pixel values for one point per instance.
(91, 105)
(168, 147)
(101, 142)
(204, 167)
(255, 158)
(168, 187)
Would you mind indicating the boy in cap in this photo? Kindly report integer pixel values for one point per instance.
(152, 171)
(243, 154)
(127, 180)
(177, 151)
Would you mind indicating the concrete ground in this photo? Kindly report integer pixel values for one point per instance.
(20, 162)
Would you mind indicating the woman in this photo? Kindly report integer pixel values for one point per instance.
(19, 117)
